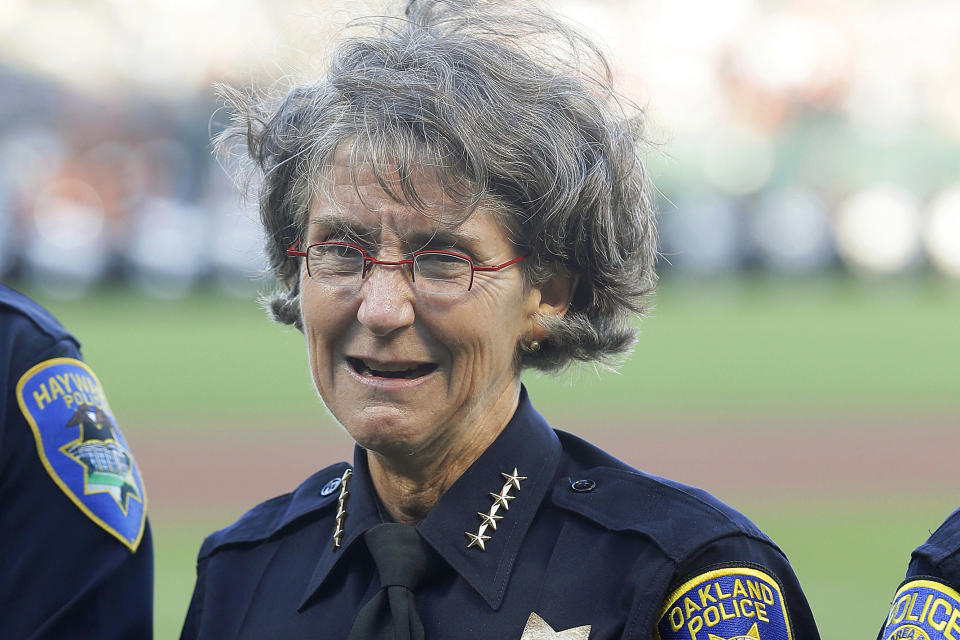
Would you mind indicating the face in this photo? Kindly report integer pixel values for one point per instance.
(408, 373)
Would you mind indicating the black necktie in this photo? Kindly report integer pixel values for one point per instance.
(401, 561)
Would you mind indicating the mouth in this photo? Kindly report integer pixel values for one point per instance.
(404, 371)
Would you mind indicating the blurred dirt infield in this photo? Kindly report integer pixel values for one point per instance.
(816, 458)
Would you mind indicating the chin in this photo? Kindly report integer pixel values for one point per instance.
(388, 433)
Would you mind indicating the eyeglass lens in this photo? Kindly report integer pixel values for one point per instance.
(342, 265)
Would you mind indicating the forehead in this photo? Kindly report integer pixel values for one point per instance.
(353, 196)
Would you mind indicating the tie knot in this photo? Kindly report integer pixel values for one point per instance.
(399, 554)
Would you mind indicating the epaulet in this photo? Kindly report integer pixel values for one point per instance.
(678, 518)
(40, 317)
(265, 520)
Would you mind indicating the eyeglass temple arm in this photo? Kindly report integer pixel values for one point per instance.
(294, 253)
(500, 266)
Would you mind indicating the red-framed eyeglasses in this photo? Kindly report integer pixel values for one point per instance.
(342, 264)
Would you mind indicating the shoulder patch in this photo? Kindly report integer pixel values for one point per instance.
(923, 609)
(81, 446)
(727, 603)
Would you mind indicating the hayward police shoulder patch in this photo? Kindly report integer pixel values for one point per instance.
(81, 446)
(727, 603)
(923, 609)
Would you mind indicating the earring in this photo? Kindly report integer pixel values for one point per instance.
(534, 345)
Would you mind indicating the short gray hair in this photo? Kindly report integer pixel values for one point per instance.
(513, 110)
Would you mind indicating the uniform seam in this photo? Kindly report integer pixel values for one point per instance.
(45, 354)
(762, 539)
(648, 608)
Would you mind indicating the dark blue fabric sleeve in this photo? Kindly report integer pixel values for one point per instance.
(744, 550)
(63, 575)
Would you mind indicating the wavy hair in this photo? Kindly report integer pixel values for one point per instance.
(513, 110)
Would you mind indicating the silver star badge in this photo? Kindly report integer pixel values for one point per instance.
(538, 629)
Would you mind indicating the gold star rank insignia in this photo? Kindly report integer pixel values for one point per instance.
(513, 478)
(489, 519)
(502, 500)
(538, 629)
(477, 540)
(753, 634)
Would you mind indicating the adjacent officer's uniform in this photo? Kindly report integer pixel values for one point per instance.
(927, 603)
(77, 554)
(543, 536)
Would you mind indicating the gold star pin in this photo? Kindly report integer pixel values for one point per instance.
(501, 500)
(538, 629)
(489, 519)
(513, 478)
(477, 540)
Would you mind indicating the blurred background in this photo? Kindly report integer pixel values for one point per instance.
(803, 358)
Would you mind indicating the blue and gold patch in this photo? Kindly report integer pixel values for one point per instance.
(923, 609)
(81, 446)
(729, 603)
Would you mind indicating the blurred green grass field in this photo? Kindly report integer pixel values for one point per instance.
(754, 345)
(744, 345)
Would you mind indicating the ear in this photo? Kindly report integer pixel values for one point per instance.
(551, 300)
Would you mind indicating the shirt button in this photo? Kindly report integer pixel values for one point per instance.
(583, 485)
(330, 487)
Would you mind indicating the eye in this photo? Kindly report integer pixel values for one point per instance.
(335, 262)
(442, 272)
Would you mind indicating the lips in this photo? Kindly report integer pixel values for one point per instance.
(401, 370)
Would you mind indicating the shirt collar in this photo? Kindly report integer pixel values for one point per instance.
(526, 444)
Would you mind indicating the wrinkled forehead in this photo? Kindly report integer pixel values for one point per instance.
(382, 194)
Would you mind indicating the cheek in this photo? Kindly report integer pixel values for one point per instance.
(326, 320)
(485, 334)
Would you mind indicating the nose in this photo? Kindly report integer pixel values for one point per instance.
(386, 303)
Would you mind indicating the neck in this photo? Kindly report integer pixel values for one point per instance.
(409, 487)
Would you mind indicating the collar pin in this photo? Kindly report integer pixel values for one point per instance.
(489, 520)
(341, 508)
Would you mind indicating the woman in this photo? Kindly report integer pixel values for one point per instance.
(457, 200)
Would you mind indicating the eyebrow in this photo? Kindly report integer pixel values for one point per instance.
(336, 223)
(441, 237)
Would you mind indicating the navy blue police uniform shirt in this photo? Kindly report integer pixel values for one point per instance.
(77, 552)
(544, 536)
(927, 603)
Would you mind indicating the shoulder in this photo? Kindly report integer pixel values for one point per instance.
(932, 577)
(268, 520)
(678, 518)
(722, 578)
(28, 334)
(940, 554)
(944, 543)
(16, 307)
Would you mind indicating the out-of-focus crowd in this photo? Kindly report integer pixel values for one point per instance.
(797, 138)
(118, 191)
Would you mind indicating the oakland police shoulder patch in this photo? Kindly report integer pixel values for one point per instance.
(729, 603)
(923, 609)
(81, 446)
